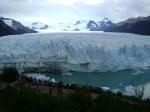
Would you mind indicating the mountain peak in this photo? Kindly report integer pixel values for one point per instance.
(106, 20)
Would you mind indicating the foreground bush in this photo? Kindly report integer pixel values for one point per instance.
(9, 74)
(23, 99)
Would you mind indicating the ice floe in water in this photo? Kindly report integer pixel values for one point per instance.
(137, 72)
(67, 74)
(39, 76)
(53, 80)
(105, 88)
(36, 76)
(120, 84)
(116, 90)
(129, 90)
(145, 68)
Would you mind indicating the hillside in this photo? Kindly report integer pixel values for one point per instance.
(140, 25)
(11, 27)
(5, 29)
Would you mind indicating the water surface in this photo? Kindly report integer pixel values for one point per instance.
(125, 81)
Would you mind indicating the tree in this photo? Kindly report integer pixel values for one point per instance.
(139, 93)
(9, 74)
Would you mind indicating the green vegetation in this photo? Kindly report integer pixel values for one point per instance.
(9, 74)
(139, 93)
(24, 99)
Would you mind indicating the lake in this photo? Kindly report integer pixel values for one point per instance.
(124, 81)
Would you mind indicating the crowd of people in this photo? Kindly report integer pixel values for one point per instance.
(59, 85)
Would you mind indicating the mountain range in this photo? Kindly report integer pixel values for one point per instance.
(139, 25)
(12, 27)
(80, 25)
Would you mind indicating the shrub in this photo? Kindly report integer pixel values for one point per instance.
(9, 74)
(139, 93)
(79, 101)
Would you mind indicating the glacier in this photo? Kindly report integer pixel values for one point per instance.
(80, 51)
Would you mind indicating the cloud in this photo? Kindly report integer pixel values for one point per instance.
(118, 10)
(72, 2)
(71, 10)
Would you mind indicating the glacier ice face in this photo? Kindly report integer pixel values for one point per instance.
(82, 51)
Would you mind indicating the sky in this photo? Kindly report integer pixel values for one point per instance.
(54, 11)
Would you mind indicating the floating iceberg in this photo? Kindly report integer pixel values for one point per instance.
(130, 90)
(78, 51)
(36, 76)
(105, 88)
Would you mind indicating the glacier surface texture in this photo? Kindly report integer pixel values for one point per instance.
(78, 51)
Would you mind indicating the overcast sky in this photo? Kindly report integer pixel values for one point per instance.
(52, 11)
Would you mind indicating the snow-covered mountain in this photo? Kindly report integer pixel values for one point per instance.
(100, 25)
(105, 23)
(80, 25)
(39, 26)
(5, 29)
(78, 51)
(15, 26)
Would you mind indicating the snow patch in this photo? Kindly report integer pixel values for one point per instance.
(8, 22)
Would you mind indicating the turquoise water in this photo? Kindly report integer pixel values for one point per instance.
(124, 81)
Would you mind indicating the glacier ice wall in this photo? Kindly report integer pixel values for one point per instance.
(84, 51)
